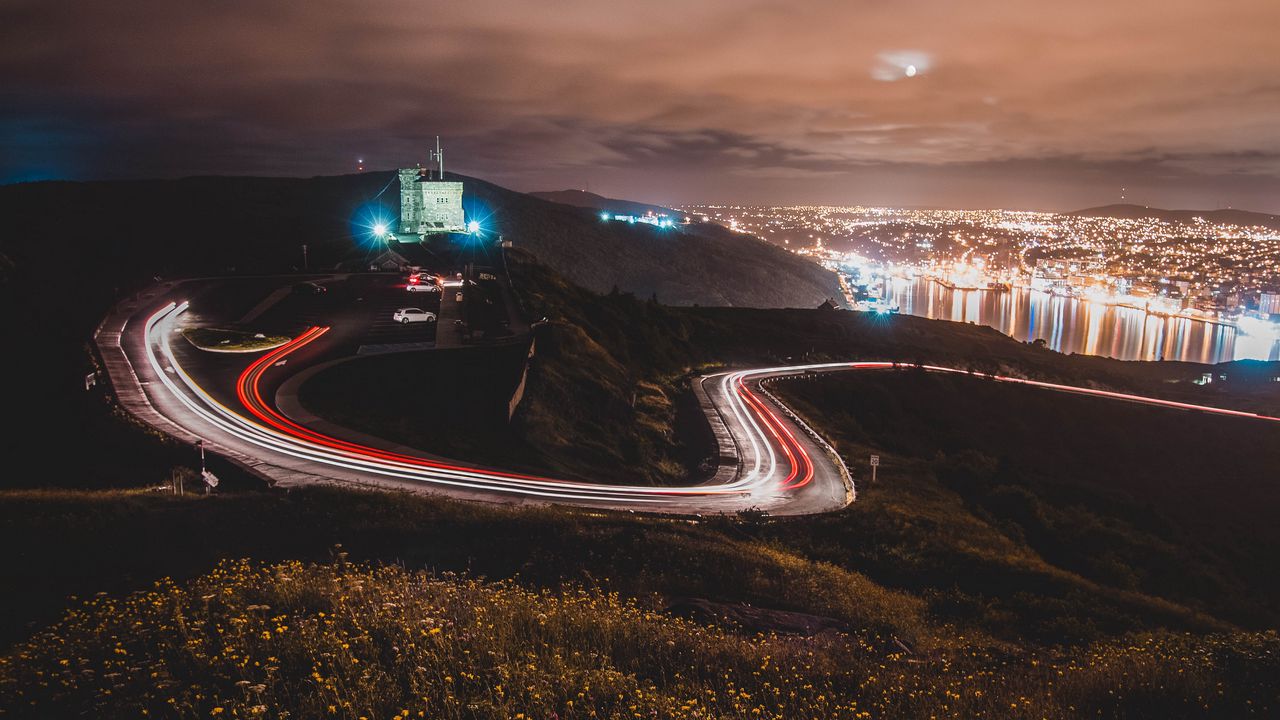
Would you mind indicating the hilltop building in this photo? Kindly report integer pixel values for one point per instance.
(429, 204)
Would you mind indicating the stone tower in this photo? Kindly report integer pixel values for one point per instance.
(429, 205)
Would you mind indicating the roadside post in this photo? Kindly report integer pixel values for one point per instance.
(875, 463)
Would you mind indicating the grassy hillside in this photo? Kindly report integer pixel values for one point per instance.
(1035, 487)
(307, 625)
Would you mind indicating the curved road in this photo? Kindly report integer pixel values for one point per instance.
(769, 460)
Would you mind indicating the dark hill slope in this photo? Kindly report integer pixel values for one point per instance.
(1225, 216)
(584, 199)
(123, 231)
(698, 264)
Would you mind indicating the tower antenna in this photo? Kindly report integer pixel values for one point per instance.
(438, 156)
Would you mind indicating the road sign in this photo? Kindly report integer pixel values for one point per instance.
(875, 461)
(210, 479)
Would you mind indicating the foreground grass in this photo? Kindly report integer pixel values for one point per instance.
(353, 641)
(59, 548)
(219, 340)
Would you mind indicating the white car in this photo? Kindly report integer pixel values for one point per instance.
(405, 316)
(422, 286)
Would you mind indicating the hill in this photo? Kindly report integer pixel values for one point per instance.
(133, 230)
(70, 250)
(693, 265)
(1225, 216)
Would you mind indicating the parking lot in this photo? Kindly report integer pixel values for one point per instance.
(359, 308)
(383, 296)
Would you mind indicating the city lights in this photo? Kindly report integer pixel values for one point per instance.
(1202, 268)
(1193, 270)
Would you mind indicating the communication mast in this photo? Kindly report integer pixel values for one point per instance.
(438, 156)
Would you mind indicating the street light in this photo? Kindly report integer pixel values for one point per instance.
(210, 480)
(473, 227)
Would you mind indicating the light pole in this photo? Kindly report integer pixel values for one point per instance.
(305, 266)
(210, 480)
(200, 444)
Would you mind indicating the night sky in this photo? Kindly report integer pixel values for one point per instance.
(973, 103)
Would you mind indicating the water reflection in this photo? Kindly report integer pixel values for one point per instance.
(1072, 325)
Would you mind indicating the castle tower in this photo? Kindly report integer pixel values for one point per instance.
(430, 205)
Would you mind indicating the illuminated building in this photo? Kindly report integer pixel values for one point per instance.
(429, 205)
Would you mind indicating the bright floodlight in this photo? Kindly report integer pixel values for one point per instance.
(380, 230)
(473, 227)
(604, 216)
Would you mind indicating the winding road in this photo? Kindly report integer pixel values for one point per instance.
(770, 460)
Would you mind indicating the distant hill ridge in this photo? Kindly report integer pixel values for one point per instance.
(584, 199)
(1226, 216)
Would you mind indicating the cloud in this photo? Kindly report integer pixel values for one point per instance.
(636, 93)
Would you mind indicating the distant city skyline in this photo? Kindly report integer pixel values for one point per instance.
(1037, 105)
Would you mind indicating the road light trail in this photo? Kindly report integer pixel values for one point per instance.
(249, 394)
(776, 470)
(284, 435)
(210, 410)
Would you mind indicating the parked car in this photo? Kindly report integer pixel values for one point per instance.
(309, 288)
(423, 285)
(405, 316)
